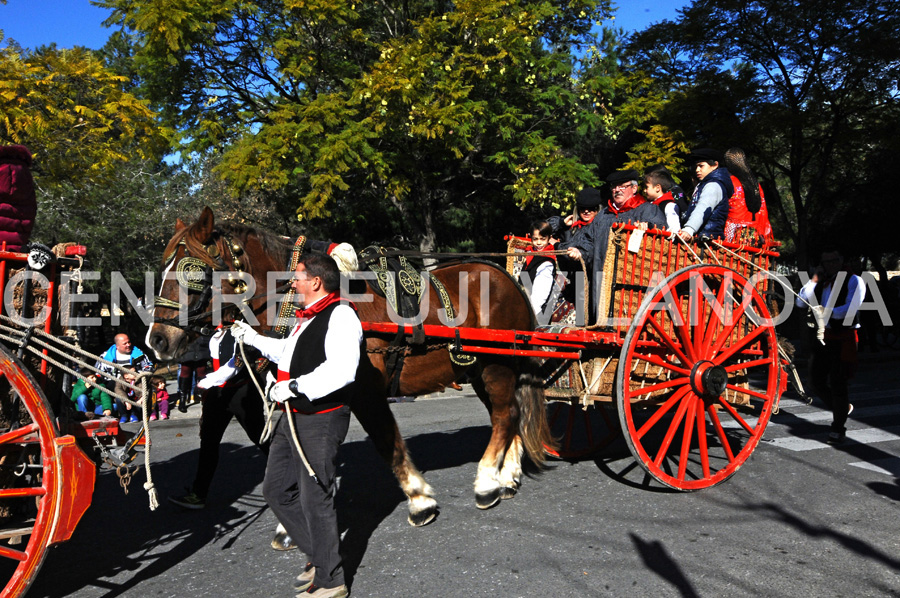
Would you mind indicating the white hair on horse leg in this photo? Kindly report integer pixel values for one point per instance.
(486, 481)
(415, 486)
(511, 473)
(345, 256)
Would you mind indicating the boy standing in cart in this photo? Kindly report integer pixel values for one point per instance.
(317, 371)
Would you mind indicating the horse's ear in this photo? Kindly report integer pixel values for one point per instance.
(179, 225)
(205, 225)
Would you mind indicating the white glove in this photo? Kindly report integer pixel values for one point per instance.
(280, 392)
(819, 314)
(270, 382)
(345, 256)
(242, 332)
(220, 376)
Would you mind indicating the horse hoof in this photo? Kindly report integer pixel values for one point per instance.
(508, 492)
(488, 499)
(422, 518)
(282, 541)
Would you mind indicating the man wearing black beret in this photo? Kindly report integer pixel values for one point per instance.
(626, 206)
(708, 211)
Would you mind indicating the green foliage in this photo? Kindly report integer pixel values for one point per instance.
(803, 86)
(411, 107)
(74, 115)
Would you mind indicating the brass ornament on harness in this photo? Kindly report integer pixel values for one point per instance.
(190, 273)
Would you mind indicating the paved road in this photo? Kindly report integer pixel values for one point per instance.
(800, 519)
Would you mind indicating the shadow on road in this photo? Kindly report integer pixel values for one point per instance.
(119, 532)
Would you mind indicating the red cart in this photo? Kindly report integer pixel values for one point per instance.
(46, 478)
(683, 360)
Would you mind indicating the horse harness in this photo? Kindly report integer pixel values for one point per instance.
(402, 287)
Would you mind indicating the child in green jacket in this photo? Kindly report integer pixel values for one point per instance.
(89, 397)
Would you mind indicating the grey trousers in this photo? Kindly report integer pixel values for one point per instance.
(305, 508)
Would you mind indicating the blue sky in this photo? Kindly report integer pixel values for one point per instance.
(68, 23)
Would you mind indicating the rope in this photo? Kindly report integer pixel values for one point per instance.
(269, 408)
(16, 334)
(761, 269)
(691, 249)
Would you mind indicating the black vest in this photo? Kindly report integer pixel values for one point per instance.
(309, 354)
(536, 260)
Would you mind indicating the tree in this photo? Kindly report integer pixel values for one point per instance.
(429, 110)
(824, 73)
(74, 115)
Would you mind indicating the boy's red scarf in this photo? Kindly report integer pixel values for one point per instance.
(547, 247)
(667, 196)
(631, 204)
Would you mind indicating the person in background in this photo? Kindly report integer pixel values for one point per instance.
(122, 353)
(18, 202)
(228, 393)
(708, 211)
(835, 294)
(540, 269)
(160, 398)
(128, 412)
(88, 396)
(587, 205)
(193, 368)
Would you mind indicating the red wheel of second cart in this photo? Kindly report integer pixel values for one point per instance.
(697, 377)
(29, 477)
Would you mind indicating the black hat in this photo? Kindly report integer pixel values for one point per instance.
(588, 198)
(706, 154)
(622, 176)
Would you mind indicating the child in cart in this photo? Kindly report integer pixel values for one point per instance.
(88, 396)
(540, 269)
(128, 412)
(160, 409)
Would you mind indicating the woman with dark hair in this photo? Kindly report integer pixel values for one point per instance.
(747, 206)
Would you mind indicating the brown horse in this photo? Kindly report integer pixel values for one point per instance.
(513, 396)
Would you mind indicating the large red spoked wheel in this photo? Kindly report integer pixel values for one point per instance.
(46, 482)
(698, 377)
(581, 432)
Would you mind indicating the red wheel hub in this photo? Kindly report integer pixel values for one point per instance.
(708, 379)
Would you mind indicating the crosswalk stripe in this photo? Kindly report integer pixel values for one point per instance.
(823, 415)
(864, 436)
(890, 466)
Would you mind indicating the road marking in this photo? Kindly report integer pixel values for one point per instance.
(889, 466)
(823, 415)
(864, 436)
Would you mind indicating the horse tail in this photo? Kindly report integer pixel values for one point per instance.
(533, 426)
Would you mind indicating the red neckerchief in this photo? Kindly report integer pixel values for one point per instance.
(631, 204)
(547, 247)
(308, 312)
(667, 196)
(579, 223)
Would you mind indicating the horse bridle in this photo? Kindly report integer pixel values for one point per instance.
(195, 276)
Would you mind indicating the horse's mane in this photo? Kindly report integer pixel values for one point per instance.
(276, 246)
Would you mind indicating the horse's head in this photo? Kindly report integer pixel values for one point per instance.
(182, 308)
